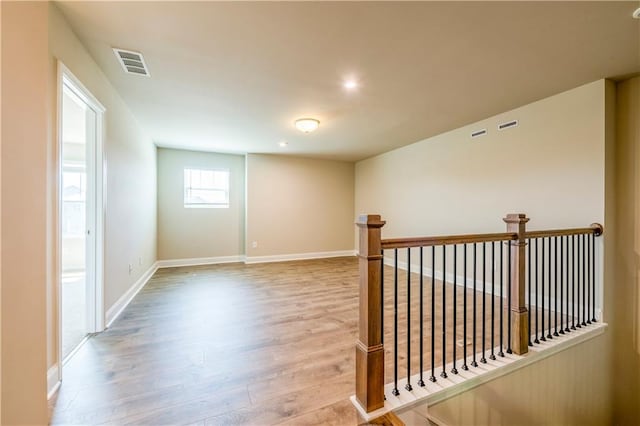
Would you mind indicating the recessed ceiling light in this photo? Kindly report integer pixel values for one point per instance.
(307, 125)
(636, 14)
(350, 84)
(282, 144)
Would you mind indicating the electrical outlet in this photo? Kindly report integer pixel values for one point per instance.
(254, 244)
(130, 268)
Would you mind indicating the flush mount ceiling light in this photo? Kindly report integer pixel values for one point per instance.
(350, 84)
(307, 125)
(636, 14)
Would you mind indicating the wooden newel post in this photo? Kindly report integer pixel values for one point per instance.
(369, 348)
(517, 223)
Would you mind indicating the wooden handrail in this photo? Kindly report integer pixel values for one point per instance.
(370, 345)
(595, 228)
(392, 243)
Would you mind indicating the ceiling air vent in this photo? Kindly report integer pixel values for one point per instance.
(508, 125)
(132, 62)
(478, 133)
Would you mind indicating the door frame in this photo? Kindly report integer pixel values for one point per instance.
(96, 311)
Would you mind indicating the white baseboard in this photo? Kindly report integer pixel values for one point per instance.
(53, 381)
(299, 256)
(116, 309)
(171, 263)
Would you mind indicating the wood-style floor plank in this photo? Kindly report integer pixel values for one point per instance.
(232, 344)
(243, 344)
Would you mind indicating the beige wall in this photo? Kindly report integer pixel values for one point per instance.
(130, 216)
(187, 233)
(0, 216)
(298, 205)
(24, 235)
(626, 255)
(550, 167)
(555, 391)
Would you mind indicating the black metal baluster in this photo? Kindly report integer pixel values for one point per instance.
(493, 304)
(444, 311)
(454, 370)
(549, 335)
(537, 303)
(573, 283)
(593, 277)
(501, 353)
(544, 339)
(555, 292)
(464, 311)
(433, 313)
(580, 279)
(509, 351)
(382, 296)
(561, 283)
(473, 360)
(382, 299)
(576, 283)
(529, 283)
(421, 381)
(588, 277)
(408, 385)
(566, 273)
(584, 280)
(395, 324)
(589, 295)
(580, 283)
(484, 298)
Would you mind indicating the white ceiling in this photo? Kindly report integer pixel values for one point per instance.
(232, 77)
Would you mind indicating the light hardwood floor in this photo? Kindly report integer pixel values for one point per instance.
(243, 344)
(224, 344)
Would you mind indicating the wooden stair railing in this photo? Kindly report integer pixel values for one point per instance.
(370, 363)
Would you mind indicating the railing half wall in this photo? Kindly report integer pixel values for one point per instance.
(455, 301)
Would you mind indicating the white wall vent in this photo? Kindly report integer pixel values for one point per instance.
(478, 133)
(508, 125)
(132, 62)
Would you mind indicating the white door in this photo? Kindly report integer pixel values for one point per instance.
(80, 209)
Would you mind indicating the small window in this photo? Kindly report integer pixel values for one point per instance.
(206, 188)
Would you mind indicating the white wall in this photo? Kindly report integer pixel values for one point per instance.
(188, 233)
(298, 206)
(130, 225)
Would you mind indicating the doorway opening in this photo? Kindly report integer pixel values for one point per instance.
(80, 215)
